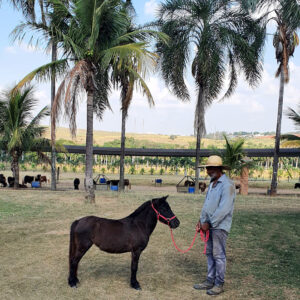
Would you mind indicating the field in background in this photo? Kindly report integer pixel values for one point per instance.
(263, 248)
(148, 181)
(101, 137)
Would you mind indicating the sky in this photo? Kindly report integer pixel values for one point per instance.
(247, 109)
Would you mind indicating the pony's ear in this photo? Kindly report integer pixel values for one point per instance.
(165, 197)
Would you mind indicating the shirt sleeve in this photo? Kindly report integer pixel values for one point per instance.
(203, 216)
(225, 205)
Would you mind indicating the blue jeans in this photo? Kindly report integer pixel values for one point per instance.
(216, 256)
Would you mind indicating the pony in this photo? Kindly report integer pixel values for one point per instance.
(130, 234)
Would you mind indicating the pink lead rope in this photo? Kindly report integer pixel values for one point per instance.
(203, 235)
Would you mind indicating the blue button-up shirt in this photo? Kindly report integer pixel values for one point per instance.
(218, 205)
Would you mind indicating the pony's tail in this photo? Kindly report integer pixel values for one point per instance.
(72, 241)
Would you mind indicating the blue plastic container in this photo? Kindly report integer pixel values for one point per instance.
(102, 180)
(191, 190)
(114, 188)
(158, 180)
(35, 184)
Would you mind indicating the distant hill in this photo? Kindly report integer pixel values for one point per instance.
(136, 140)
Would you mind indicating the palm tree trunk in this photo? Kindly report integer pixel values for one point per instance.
(273, 191)
(122, 156)
(89, 185)
(200, 129)
(244, 181)
(197, 171)
(15, 168)
(53, 125)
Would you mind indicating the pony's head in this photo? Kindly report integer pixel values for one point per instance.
(164, 212)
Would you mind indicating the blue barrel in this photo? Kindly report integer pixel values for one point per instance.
(191, 190)
(114, 188)
(35, 184)
(102, 180)
(158, 180)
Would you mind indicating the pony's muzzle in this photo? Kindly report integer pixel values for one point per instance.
(174, 223)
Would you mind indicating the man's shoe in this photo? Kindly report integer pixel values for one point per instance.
(205, 285)
(216, 290)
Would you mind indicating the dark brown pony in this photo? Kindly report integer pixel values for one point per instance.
(130, 234)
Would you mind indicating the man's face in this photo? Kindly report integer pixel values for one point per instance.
(213, 172)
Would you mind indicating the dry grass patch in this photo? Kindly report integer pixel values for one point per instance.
(263, 249)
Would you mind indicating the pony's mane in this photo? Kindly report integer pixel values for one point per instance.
(140, 209)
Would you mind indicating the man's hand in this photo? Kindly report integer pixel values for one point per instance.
(205, 226)
(198, 226)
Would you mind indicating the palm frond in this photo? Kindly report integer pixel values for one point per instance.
(44, 72)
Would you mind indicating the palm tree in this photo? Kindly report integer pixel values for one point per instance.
(129, 75)
(233, 155)
(46, 26)
(27, 7)
(286, 17)
(217, 36)
(292, 140)
(19, 130)
(94, 38)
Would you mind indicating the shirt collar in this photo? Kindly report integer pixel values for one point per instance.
(221, 179)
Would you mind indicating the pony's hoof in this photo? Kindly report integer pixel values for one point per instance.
(73, 283)
(136, 286)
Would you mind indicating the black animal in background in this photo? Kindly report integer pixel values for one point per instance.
(297, 185)
(3, 180)
(130, 234)
(11, 181)
(28, 179)
(76, 183)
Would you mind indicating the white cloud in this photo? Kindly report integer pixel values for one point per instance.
(21, 48)
(151, 7)
(10, 50)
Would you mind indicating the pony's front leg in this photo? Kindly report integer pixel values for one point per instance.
(135, 255)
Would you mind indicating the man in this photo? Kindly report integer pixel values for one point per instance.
(216, 217)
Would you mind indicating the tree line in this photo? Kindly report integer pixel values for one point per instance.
(102, 48)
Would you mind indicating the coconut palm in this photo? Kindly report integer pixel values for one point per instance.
(46, 26)
(95, 39)
(216, 37)
(285, 40)
(19, 129)
(128, 76)
(292, 140)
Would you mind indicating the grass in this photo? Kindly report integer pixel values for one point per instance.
(263, 249)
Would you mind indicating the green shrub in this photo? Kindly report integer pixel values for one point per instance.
(142, 171)
(23, 167)
(132, 170)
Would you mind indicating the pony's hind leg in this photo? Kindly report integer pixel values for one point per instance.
(79, 248)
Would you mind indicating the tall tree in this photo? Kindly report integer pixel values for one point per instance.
(286, 16)
(19, 129)
(131, 75)
(47, 27)
(216, 37)
(94, 39)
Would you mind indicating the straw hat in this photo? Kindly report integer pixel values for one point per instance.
(215, 161)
